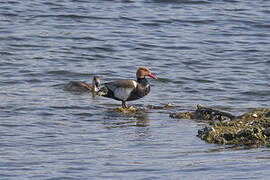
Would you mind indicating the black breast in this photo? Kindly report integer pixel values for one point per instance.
(142, 89)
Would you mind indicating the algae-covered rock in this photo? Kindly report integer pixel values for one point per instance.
(204, 113)
(185, 115)
(251, 128)
(169, 105)
(248, 129)
(133, 110)
(129, 110)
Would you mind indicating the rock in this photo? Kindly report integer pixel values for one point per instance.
(133, 110)
(266, 132)
(160, 107)
(204, 113)
(251, 128)
(129, 110)
(242, 130)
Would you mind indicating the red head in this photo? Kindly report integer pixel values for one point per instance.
(144, 71)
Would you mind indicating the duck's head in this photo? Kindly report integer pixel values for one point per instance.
(96, 83)
(144, 71)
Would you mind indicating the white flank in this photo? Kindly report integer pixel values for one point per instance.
(122, 93)
(135, 84)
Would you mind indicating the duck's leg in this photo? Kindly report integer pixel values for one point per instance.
(124, 105)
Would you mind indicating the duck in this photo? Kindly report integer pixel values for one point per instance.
(78, 86)
(127, 89)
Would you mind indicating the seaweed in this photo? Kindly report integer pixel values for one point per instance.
(252, 128)
(134, 110)
(169, 105)
(204, 113)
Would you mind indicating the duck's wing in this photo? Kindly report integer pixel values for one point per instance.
(121, 89)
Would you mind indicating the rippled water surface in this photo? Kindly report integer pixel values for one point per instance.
(215, 53)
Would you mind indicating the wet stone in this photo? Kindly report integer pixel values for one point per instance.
(249, 129)
(133, 110)
(204, 113)
(169, 105)
(267, 131)
(129, 110)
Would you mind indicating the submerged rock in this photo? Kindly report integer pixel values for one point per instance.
(251, 128)
(169, 105)
(204, 113)
(133, 110)
(130, 110)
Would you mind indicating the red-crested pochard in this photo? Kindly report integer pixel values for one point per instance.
(128, 90)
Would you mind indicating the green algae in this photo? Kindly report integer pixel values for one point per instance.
(252, 128)
(134, 110)
(204, 113)
(129, 110)
(167, 106)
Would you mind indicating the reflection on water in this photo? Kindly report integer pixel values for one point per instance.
(138, 122)
(121, 120)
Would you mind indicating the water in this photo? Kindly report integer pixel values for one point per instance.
(215, 53)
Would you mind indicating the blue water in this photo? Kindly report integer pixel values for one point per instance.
(214, 53)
